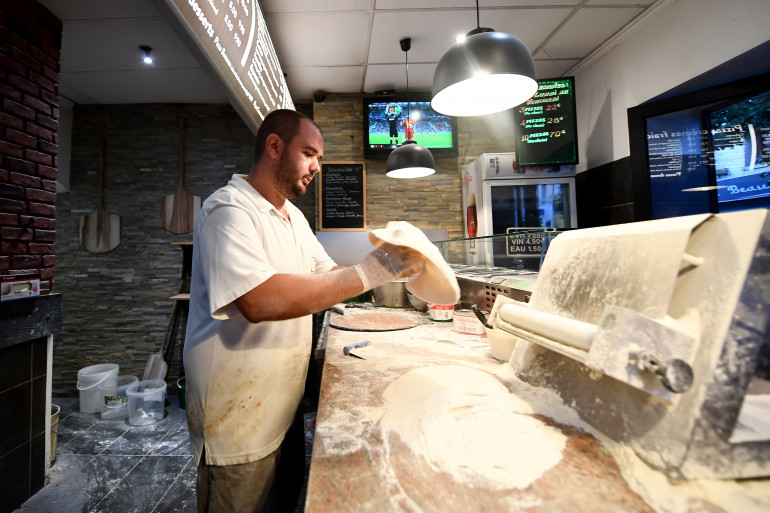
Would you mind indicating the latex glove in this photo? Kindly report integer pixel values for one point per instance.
(388, 263)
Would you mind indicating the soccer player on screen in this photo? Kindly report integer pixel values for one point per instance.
(392, 112)
(408, 129)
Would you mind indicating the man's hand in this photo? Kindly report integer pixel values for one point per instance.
(388, 263)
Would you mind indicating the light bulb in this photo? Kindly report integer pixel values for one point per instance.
(147, 54)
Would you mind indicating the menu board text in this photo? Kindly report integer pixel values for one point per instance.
(343, 196)
(547, 125)
(233, 38)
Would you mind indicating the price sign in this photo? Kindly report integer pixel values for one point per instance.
(547, 125)
(233, 39)
(524, 243)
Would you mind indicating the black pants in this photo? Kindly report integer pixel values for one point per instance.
(290, 472)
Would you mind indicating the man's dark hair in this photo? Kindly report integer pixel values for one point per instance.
(282, 122)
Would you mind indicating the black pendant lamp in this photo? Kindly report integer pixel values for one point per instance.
(409, 160)
(485, 73)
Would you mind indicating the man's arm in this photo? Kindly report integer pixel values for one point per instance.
(287, 296)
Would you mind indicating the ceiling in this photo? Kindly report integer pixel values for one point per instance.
(337, 46)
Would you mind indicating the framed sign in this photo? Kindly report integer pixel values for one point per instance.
(342, 193)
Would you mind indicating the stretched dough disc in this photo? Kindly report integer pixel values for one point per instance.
(372, 321)
(436, 283)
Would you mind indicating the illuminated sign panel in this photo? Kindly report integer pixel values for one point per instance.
(548, 125)
(234, 40)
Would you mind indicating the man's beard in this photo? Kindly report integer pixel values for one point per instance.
(288, 187)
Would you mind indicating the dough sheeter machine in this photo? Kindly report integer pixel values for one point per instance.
(656, 333)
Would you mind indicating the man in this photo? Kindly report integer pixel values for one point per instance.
(392, 112)
(408, 128)
(258, 273)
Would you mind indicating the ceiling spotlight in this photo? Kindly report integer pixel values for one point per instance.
(147, 54)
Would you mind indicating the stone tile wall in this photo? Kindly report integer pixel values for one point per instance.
(116, 304)
(432, 202)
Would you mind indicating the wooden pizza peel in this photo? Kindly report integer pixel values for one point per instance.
(100, 230)
(178, 211)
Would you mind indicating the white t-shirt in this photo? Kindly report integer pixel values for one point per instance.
(244, 381)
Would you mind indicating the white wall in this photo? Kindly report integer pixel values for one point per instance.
(677, 41)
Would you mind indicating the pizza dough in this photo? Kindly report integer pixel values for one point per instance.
(372, 321)
(436, 283)
(466, 423)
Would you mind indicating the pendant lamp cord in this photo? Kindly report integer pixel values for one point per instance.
(478, 20)
(408, 111)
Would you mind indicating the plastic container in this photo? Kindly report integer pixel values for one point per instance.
(465, 321)
(501, 343)
(113, 401)
(55, 409)
(89, 379)
(441, 313)
(145, 402)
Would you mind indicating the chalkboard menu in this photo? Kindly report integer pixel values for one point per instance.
(343, 196)
(232, 37)
(547, 124)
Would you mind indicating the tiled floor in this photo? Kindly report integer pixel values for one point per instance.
(110, 466)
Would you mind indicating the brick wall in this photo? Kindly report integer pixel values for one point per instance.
(30, 40)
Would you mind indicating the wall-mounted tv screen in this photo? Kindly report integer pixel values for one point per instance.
(387, 124)
(706, 150)
(739, 140)
(547, 125)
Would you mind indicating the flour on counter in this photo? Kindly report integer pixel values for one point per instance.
(661, 494)
(693, 496)
(344, 432)
(466, 423)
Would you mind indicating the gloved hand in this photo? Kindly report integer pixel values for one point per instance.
(388, 263)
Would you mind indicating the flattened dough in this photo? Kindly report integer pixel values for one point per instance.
(372, 321)
(436, 283)
(466, 423)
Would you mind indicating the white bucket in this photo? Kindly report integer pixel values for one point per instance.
(113, 401)
(145, 401)
(89, 379)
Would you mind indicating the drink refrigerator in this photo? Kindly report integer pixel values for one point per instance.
(516, 207)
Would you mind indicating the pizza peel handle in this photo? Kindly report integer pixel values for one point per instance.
(100, 230)
(178, 211)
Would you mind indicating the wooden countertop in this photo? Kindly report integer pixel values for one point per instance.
(358, 467)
